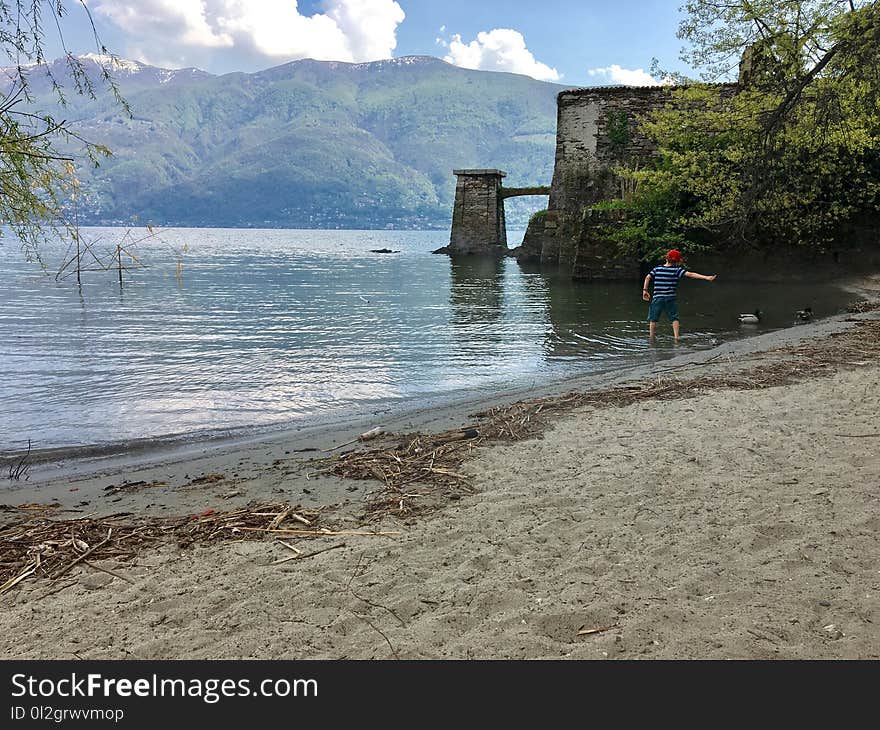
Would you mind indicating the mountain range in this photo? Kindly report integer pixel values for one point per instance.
(308, 144)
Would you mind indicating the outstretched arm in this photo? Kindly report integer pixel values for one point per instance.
(695, 275)
(645, 295)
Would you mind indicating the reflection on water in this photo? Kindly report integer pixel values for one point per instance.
(476, 297)
(476, 289)
(268, 327)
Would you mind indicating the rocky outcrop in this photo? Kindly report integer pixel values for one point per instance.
(597, 255)
(580, 245)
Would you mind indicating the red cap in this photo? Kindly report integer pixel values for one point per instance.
(673, 255)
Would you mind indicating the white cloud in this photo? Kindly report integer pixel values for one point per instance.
(614, 74)
(181, 20)
(500, 49)
(370, 26)
(347, 30)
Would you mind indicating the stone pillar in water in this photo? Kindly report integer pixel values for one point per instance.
(478, 216)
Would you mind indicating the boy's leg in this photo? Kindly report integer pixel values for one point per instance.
(654, 310)
(672, 313)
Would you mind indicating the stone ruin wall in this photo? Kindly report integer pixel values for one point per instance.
(586, 152)
(588, 146)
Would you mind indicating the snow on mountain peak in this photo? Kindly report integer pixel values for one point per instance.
(114, 62)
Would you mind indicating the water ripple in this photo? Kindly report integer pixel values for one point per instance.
(267, 327)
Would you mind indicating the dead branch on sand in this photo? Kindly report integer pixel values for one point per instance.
(43, 547)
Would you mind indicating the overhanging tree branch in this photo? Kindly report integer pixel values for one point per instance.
(36, 173)
(869, 36)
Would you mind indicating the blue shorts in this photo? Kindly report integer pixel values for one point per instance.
(660, 305)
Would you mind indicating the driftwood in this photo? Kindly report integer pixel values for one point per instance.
(35, 545)
(366, 436)
(308, 555)
(599, 630)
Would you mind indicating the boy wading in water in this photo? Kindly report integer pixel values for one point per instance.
(666, 278)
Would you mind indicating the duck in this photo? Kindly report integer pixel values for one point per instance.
(805, 314)
(750, 318)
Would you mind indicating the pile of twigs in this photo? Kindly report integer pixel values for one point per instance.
(419, 470)
(49, 548)
(864, 306)
(43, 547)
(256, 520)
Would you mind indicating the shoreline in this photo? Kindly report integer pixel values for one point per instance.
(397, 409)
(245, 467)
(141, 447)
(722, 505)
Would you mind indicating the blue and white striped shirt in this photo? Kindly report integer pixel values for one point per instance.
(666, 280)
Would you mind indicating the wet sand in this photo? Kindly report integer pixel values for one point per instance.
(732, 524)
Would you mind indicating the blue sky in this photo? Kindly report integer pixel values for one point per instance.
(572, 42)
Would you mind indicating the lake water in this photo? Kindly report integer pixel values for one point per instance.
(240, 329)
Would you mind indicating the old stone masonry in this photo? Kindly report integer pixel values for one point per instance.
(596, 129)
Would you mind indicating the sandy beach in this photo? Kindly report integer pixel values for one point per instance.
(724, 504)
